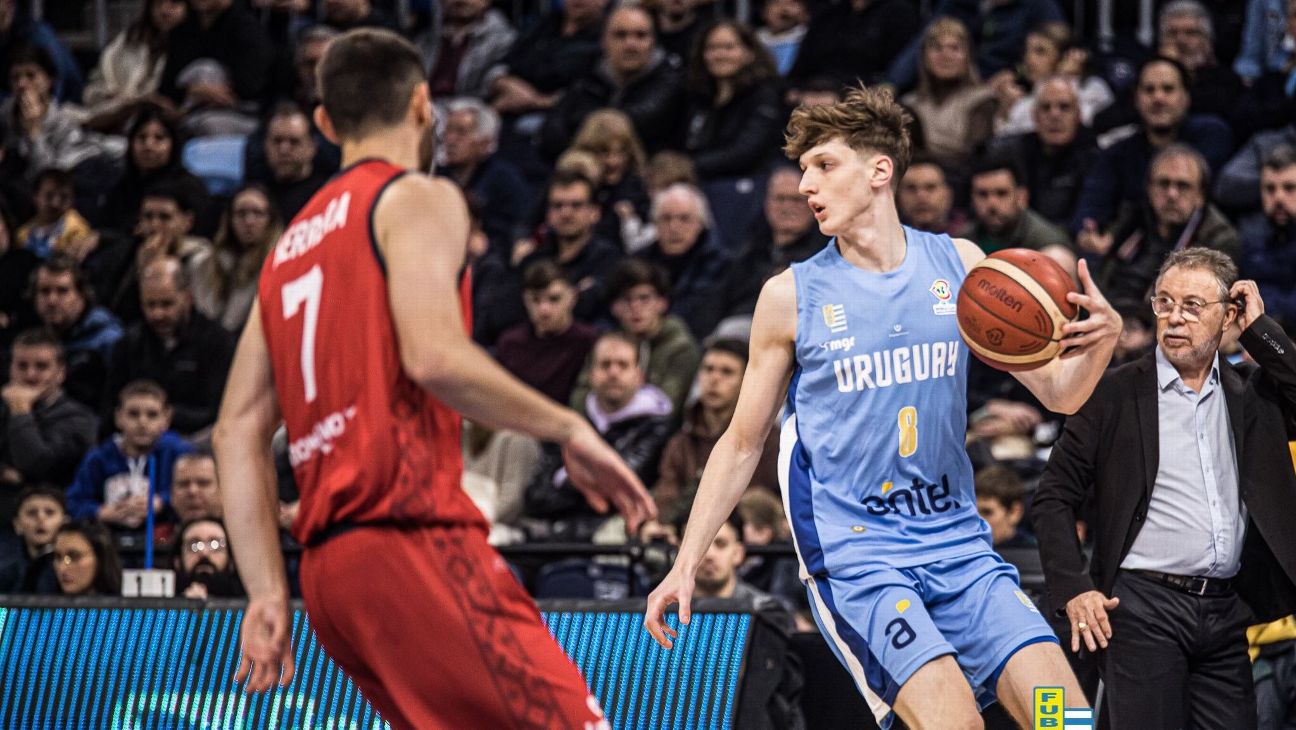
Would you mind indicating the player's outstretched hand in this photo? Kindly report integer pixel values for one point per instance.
(677, 587)
(266, 645)
(1088, 615)
(600, 474)
(1102, 325)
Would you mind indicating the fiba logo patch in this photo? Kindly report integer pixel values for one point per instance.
(834, 316)
(940, 288)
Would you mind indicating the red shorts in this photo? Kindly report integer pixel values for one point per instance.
(437, 633)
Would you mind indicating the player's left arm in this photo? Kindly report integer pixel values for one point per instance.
(249, 415)
(1065, 383)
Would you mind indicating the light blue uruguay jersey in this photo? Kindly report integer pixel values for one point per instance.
(872, 458)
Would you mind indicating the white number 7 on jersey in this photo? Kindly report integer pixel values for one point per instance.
(305, 288)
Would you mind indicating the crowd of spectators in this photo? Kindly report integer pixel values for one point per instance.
(623, 165)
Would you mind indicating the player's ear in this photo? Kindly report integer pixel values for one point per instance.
(883, 170)
(325, 125)
(421, 104)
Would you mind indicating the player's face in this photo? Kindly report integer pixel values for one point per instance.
(835, 181)
(1188, 344)
(616, 376)
(719, 379)
(1278, 194)
(75, 564)
(141, 419)
(194, 490)
(204, 549)
(550, 309)
(1161, 98)
(924, 198)
(718, 570)
(785, 207)
(1175, 190)
(38, 519)
(58, 303)
(1057, 114)
(36, 366)
(997, 201)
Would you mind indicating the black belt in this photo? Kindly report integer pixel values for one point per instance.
(1196, 585)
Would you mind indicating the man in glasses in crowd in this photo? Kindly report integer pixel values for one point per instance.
(202, 561)
(1183, 460)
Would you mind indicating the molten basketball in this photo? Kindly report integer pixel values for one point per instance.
(1011, 309)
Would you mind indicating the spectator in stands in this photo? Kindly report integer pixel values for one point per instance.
(1269, 236)
(1050, 53)
(195, 493)
(785, 234)
(1161, 98)
(344, 15)
(290, 158)
(1002, 218)
(640, 295)
(152, 159)
(734, 118)
(498, 467)
(925, 199)
(226, 285)
(165, 228)
(717, 573)
(1138, 331)
(1001, 502)
(203, 564)
(548, 351)
(65, 303)
(1264, 48)
(664, 169)
(129, 71)
(57, 226)
(44, 432)
(547, 58)
(466, 39)
(998, 30)
(43, 131)
(633, 76)
(86, 561)
(719, 378)
(469, 143)
(610, 136)
(1176, 216)
(955, 109)
(17, 265)
(30, 569)
(18, 29)
(571, 215)
(854, 42)
(112, 483)
(783, 26)
(686, 248)
(187, 354)
(1057, 155)
(632, 416)
(678, 25)
(1186, 34)
(224, 33)
(1238, 186)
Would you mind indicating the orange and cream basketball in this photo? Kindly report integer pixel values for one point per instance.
(1011, 309)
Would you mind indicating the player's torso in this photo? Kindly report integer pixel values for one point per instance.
(878, 404)
(366, 443)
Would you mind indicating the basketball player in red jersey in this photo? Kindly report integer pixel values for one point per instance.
(358, 343)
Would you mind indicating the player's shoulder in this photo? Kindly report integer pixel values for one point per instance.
(776, 308)
(969, 252)
(415, 188)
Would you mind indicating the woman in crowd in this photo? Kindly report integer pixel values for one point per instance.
(152, 157)
(1049, 52)
(955, 109)
(130, 67)
(227, 282)
(609, 135)
(85, 560)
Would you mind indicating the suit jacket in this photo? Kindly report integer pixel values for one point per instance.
(1108, 456)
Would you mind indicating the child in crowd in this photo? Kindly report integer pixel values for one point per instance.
(30, 568)
(56, 226)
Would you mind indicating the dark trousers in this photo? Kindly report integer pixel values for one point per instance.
(1176, 661)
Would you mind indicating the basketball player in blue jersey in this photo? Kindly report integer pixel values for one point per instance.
(863, 339)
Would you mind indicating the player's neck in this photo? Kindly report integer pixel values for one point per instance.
(397, 146)
(874, 241)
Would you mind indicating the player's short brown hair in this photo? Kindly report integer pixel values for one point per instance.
(867, 120)
(366, 78)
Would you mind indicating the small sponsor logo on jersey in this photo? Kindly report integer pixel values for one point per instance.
(897, 330)
(843, 344)
(306, 234)
(321, 437)
(1026, 601)
(940, 289)
(918, 498)
(835, 317)
(897, 366)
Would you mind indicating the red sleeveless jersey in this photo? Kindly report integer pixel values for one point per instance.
(367, 444)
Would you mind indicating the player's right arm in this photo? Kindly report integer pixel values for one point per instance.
(736, 455)
(423, 267)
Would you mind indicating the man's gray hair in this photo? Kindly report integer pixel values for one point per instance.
(1178, 149)
(1190, 9)
(690, 191)
(1280, 158)
(486, 118)
(1207, 259)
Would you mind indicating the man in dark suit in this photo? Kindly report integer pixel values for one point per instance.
(1182, 459)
